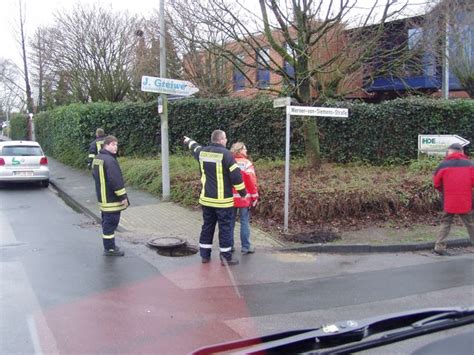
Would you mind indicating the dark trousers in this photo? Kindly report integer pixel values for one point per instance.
(223, 217)
(110, 222)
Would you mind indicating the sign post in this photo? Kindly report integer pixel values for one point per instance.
(301, 111)
(32, 127)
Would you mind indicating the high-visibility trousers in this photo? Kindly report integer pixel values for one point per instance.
(212, 216)
(110, 222)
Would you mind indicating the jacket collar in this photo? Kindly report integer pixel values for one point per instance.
(240, 155)
(454, 156)
(105, 151)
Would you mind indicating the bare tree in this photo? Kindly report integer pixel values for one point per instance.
(147, 56)
(204, 67)
(93, 46)
(11, 94)
(42, 71)
(315, 48)
(24, 55)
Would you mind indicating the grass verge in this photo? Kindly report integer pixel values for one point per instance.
(338, 197)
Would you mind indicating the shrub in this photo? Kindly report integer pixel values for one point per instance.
(19, 126)
(382, 134)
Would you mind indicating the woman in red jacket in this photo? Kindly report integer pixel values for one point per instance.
(242, 204)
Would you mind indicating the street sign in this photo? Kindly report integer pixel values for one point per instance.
(438, 142)
(317, 111)
(168, 86)
(282, 102)
(160, 104)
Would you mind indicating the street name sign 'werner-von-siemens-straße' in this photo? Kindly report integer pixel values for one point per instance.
(317, 111)
(168, 86)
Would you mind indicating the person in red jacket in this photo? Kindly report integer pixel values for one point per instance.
(242, 204)
(454, 178)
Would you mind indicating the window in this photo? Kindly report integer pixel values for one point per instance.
(288, 68)
(416, 64)
(263, 73)
(463, 44)
(414, 37)
(238, 77)
(23, 150)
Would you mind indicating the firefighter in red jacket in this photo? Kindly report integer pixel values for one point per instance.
(242, 204)
(454, 178)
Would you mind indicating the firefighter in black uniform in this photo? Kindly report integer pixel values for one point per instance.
(219, 172)
(95, 146)
(111, 193)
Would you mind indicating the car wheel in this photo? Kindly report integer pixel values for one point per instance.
(44, 183)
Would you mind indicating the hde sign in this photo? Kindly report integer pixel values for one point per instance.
(439, 142)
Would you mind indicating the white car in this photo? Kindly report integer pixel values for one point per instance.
(23, 161)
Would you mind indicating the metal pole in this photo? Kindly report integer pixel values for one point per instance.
(164, 116)
(32, 125)
(287, 171)
(445, 78)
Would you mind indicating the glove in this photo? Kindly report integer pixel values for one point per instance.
(186, 140)
(89, 165)
(254, 203)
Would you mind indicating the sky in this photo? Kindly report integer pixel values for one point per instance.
(40, 13)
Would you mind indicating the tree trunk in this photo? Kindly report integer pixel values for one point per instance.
(29, 98)
(311, 142)
(310, 128)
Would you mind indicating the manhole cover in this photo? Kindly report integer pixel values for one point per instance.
(182, 250)
(166, 242)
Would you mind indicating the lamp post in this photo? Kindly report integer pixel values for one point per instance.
(32, 125)
(164, 115)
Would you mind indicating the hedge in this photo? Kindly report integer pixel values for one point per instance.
(18, 127)
(375, 133)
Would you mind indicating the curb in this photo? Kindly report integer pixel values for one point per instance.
(73, 203)
(366, 248)
(77, 206)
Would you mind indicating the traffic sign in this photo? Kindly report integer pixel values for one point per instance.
(317, 111)
(438, 142)
(168, 86)
(282, 102)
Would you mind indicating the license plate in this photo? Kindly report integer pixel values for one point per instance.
(23, 173)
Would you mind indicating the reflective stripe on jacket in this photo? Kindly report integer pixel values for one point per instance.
(219, 173)
(250, 180)
(454, 178)
(109, 185)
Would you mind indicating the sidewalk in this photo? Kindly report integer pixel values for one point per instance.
(148, 217)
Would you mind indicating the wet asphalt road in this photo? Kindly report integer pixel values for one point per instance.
(58, 294)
